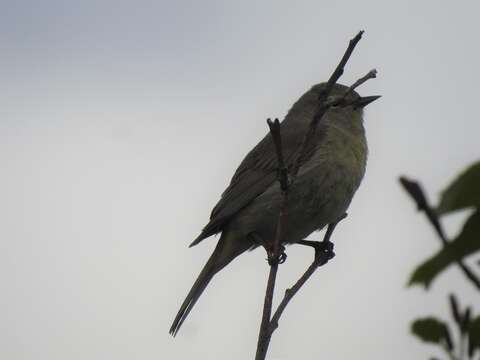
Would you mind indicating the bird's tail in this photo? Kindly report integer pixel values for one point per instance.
(226, 250)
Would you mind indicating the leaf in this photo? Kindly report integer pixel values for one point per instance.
(464, 192)
(466, 243)
(431, 330)
(414, 189)
(474, 335)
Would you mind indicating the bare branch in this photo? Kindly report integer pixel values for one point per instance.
(372, 74)
(414, 189)
(320, 259)
(274, 257)
(341, 65)
(277, 139)
(264, 334)
(323, 105)
(342, 100)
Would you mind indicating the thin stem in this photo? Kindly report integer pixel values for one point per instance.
(322, 103)
(277, 139)
(414, 189)
(372, 74)
(263, 336)
(265, 332)
(320, 260)
(341, 65)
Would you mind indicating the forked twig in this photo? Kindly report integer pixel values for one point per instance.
(320, 259)
(269, 324)
(372, 74)
(323, 106)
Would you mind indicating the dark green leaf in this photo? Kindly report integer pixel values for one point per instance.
(414, 189)
(430, 330)
(474, 335)
(463, 192)
(466, 243)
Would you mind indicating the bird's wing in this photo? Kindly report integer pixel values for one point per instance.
(259, 168)
(254, 175)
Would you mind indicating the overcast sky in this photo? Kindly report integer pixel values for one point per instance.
(122, 122)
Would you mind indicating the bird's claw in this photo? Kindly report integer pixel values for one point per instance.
(324, 248)
(271, 257)
(276, 260)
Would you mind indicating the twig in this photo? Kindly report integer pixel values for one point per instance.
(265, 327)
(321, 259)
(341, 65)
(342, 100)
(414, 189)
(273, 258)
(372, 74)
(277, 139)
(323, 106)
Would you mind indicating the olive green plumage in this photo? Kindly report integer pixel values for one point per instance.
(322, 191)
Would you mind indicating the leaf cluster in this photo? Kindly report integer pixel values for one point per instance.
(433, 330)
(462, 193)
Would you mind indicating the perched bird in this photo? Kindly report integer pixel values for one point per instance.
(326, 181)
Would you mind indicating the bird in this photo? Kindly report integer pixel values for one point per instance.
(327, 178)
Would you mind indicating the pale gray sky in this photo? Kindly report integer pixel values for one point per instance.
(121, 124)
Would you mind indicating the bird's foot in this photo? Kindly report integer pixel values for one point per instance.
(322, 248)
(325, 248)
(276, 260)
(271, 258)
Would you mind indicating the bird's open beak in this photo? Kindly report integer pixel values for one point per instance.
(364, 101)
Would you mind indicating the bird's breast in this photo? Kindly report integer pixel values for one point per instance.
(319, 195)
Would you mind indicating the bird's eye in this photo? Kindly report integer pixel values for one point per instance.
(333, 101)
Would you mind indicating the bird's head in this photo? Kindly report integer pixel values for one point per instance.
(355, 101)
